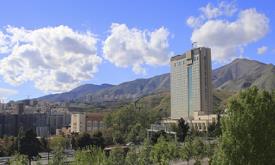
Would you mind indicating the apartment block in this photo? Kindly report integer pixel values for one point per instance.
(86, 122)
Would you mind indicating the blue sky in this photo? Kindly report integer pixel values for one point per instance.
(109, 32)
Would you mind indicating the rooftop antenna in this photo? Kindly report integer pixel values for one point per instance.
(194, 44)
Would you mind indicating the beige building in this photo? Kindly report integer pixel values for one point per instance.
(201, 122)
(191, 86)
(78, 122)
(86, 122)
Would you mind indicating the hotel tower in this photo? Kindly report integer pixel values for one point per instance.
(191, 85)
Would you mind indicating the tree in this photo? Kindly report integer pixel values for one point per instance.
(117, 157)
(144, 155)
(18, 159)
(199, 150)
(164, 151)
(248, 130)
(84, 140)
(58, 157)
(8, 146)
(182, 130)
(98, 140)
(57, 143)
(29, 145)
(132, 157)
(187, 150)
(136, 134)
(90, 155)
(156, 135)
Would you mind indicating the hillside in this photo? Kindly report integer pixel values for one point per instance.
(243, 73)
(239, 74)
(78, 92)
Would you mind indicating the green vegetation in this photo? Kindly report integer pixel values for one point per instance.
(29, 145)
(8, 146)
(164, 151)
(161, 153)
(18, 159)
(129, 124)
(248, 130)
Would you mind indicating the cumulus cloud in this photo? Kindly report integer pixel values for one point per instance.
(55, 59)
(262, 50)
(126, 47)
(210, 11)
(227, 39)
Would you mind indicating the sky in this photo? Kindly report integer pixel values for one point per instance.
(54, 46)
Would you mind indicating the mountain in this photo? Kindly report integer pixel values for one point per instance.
(132, 89)
(239, 74)
(78, 92)
(243, 73)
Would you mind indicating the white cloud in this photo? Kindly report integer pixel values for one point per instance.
(210, 11)
(223, 9)
(194, 22)
(262, 50)
(55, 59)
(5, 92)
(135, 48)
(227, 39)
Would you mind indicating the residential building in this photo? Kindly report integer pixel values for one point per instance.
(78, 122)
(191, 86)
(86, 121)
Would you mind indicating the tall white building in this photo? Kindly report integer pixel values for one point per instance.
(191, 85)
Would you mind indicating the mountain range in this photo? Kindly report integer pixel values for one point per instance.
(237, 75)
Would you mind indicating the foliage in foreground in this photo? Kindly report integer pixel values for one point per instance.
(18, 159)
(248, 130)
(161, 153)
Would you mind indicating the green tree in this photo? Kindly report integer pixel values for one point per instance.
(89, 156)
(8, 146)
(18, 159)
(136, 134)
(57, 143)
(187, 150)
(29, 145)
(182, 130)
(84, 140)
(144, 154)
(98, 139)
(164, 151)
(58, 157)
(199, 150)
(117, 156)
(132, 157)
(248, 130)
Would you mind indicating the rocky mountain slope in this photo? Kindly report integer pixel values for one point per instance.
(239, 74)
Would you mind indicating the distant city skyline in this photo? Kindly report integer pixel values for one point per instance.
(48, 46)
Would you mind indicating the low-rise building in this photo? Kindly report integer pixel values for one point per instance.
(86, 121)
(199, 122)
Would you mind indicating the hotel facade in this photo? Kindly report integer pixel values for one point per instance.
(191, 84)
